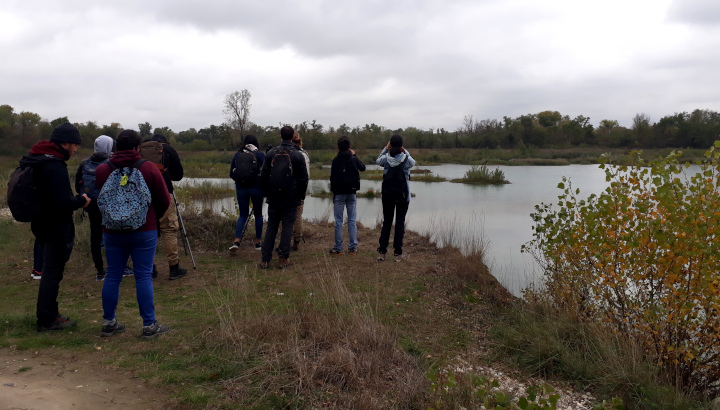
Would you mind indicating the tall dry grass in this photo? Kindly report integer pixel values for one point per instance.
(324, 349)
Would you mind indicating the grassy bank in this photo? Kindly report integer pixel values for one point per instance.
(344, 332)
(337, 332)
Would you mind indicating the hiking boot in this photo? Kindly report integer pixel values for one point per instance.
(264, 265)
(128, 271)
(152, 331)
(296, 245)
(335, 252)
(235, 246)
(381, 257)
(154, 272)
(61, 322)
(36, 275)
(176, 272)
(112, 329)
(352, 251)
(284, 263)
(100, 276)
(401, 257)
(258, 244)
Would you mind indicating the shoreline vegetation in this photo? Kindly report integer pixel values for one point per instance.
(333, 332)
(336, 332)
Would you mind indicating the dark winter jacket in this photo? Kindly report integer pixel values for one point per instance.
(300, 183)
(153, 178)
(345, 173)
(57, 202)
(173, 166)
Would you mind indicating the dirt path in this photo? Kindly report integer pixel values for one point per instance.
(50, 380)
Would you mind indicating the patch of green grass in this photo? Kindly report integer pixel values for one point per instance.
(481, 175)
(24, 369)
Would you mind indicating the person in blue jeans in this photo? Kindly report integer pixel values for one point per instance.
(247, 188)
(139, 244)
(344, 184)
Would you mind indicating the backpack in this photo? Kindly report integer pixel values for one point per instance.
(125, 198)
(153, 152)
(348, 179)
(394, 182)
(246, 169)
(88, 182)
(281, 172)
(22, 192)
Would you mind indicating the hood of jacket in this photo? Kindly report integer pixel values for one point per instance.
(103, 145)
(50, 148)
(125, 158)
(397, 160)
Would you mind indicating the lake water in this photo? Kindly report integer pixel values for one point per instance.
(497, 215)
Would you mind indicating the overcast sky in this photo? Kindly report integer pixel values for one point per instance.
(422, 63)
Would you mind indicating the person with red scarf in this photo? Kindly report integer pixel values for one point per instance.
(54, 228)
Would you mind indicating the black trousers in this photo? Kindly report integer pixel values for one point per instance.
(57, 253)
(396, 206)
(276, 216)
(96, 237)
(38, 255)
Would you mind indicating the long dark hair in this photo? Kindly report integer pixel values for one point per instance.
(250, 139)
(396, 143)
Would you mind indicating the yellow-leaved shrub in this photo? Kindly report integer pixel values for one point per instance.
(644, 258)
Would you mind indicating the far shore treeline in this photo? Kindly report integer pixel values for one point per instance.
(547, 129)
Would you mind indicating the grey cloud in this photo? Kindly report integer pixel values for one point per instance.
(706, 12)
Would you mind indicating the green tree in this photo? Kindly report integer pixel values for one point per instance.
(111, 130)
(60, 120)
(145, 129)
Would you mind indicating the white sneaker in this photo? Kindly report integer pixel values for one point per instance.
(235, 246)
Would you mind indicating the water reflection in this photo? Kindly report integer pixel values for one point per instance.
(497, 215)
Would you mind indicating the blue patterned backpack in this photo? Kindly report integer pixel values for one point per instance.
(125, 198)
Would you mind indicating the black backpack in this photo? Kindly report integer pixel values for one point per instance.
(348, 179)
(22, 193)
(281, 172)
(246, 169)
(394, 182)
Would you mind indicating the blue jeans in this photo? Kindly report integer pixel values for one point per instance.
(140, 245)
(341, 202)
(244, 196)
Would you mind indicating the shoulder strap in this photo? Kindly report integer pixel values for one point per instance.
(138, 163)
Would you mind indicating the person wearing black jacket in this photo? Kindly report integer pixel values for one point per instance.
(169, 225)
(53, 227)
(282, 201)
(344, 184)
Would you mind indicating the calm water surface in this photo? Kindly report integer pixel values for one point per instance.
(497, 215)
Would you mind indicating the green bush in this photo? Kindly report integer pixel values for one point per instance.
(482, 175)
(642, 258)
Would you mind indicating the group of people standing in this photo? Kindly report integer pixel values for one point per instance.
(281, 176)
(54, 228)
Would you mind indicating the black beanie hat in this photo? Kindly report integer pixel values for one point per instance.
(66, 132)
(159, 138)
